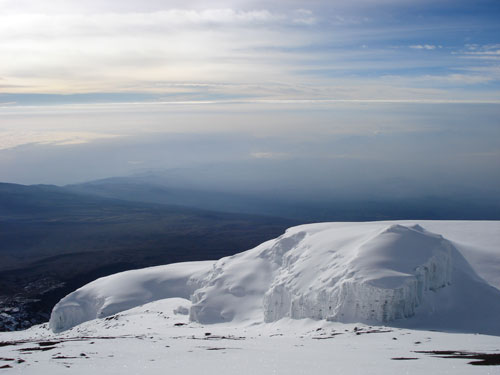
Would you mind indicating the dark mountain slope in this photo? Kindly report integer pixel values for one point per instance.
(296, 205)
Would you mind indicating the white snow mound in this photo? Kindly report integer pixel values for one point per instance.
(377, 273)
(125, 290)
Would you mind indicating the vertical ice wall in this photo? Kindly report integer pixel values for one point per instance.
(387, 279)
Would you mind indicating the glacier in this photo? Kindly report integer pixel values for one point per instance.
(390, 273)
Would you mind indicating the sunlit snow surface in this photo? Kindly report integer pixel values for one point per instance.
(321, 299)
(150, 340)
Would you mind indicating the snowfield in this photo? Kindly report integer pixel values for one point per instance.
(346, 298)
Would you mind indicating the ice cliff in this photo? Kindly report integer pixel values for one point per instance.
(381, 279)
(378, 273)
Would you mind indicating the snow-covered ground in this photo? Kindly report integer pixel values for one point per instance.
(346, 298)
(151, 340)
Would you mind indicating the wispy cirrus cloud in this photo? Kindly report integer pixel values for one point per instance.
(41, 25)
(269, 155)
(134, 51)
(482, 52)
(11, 139)
(237, 49)
(424, 46)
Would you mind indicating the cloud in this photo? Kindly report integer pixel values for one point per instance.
(10, 139)
(122, 52)
(468, 79)
(304, 17)
(454, 79)
(270, 155)
(482, 52)
(423, 46)
(42, 25)
(239, 49)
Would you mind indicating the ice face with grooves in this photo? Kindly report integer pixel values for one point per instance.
(386, 279)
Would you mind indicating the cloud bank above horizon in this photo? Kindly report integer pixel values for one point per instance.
(235, 50)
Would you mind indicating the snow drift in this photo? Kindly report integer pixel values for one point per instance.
(377, 273)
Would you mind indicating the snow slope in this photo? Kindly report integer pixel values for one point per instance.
(109, 295)
(396, 273)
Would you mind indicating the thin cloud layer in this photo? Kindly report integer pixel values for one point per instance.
(12, 139)
(186, 51)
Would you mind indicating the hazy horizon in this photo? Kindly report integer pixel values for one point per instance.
(394, 97)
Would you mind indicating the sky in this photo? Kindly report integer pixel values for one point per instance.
(91, 89)
(240, 49)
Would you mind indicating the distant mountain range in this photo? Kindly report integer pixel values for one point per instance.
(185, 188)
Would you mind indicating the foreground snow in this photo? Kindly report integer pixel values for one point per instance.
(427, 275)
(151, 340)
